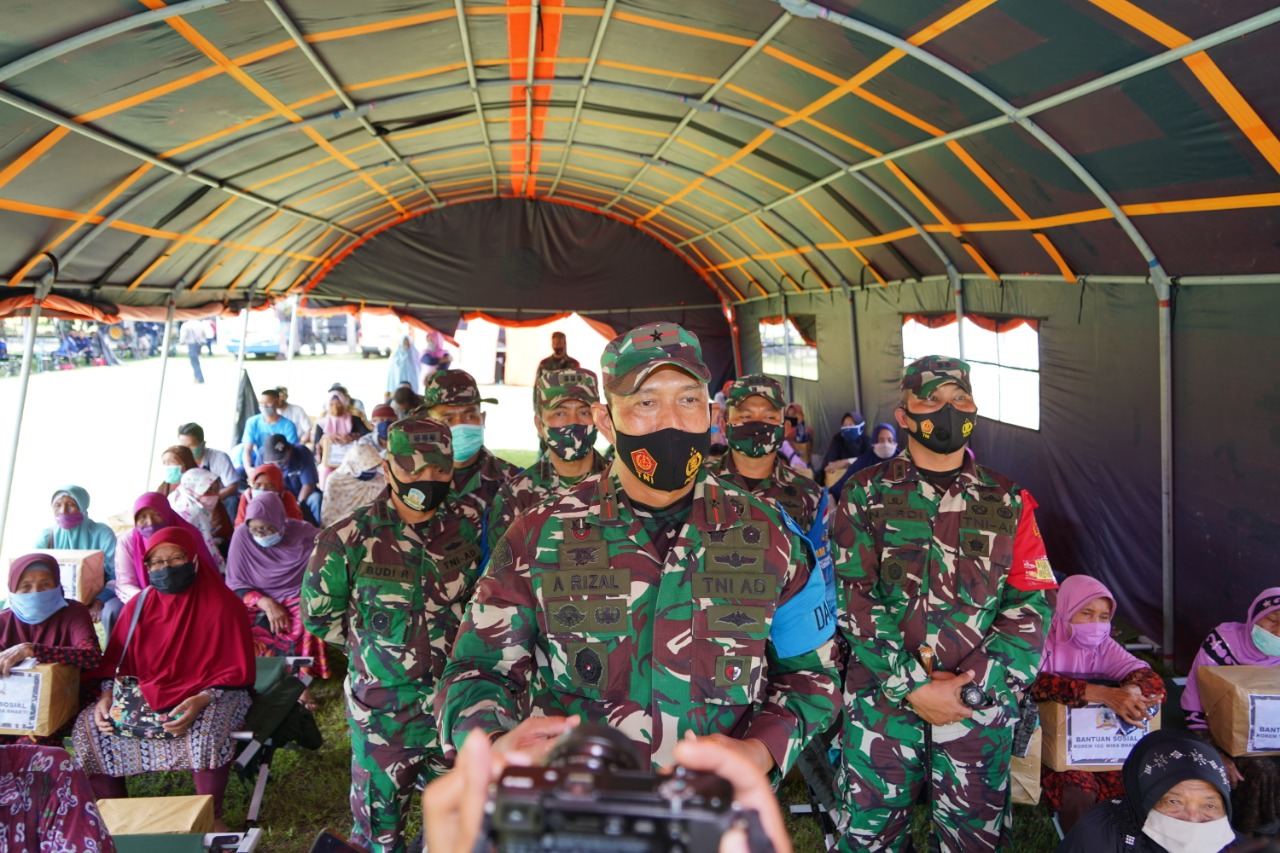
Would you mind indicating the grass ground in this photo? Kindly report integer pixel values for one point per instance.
(308, 792)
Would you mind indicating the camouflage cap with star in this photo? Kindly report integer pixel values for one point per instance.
(630, 358)
(452, 388)
(415, 442)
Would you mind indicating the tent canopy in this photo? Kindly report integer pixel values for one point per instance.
(721, 163)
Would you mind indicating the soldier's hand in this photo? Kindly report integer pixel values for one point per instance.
(534, 736)
(938, 702)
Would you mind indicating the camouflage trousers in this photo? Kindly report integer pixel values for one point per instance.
(883, 776)
(393, 754)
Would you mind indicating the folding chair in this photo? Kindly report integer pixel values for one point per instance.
(275, 720)
(213, 842)
(819, 773)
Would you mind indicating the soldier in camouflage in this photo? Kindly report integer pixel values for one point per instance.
(657, 598)
(453, 397)
(562, 402)
(388, 584)
(942, 578)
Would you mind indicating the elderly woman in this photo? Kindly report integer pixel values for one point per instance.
(335, 432)
(269, 554)
(1255, 780)
(151, 513)
(356, 483)
(40, 623)
(196, 500)
(179, 677)
(1176, 798)
(175, 462)
(1080, 651)
(267, 478)
(74, 530)
(883, 445)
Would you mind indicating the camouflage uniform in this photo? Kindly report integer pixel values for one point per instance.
(391, 594)
(964, 571)
(540, 481)
(578, 614)
(486, 473)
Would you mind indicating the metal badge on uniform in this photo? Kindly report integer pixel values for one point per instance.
(380, 621)
(732, 671)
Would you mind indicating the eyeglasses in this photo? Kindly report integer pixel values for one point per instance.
(170, 563)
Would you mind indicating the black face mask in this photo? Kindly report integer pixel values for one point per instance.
(666, 460)
(420, 495)
(173, 579)
(944, 431)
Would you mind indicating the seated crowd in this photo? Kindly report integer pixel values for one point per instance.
(711, 586)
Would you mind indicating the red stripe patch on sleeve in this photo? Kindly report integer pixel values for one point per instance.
(1031, 570)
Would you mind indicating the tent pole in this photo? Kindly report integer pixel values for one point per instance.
(293, 329)
(164, 366)
(244, 333)
(28, 356)
(1163, 293)
(957, 286)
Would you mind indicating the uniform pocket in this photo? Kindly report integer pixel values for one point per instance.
(728, 658)
(385, 614)
(902, 571)
(582, 637)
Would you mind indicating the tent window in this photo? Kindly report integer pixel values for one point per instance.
(787, 349)
(1003, 356)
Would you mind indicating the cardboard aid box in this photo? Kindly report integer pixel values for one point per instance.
(81, 571)
(39, 699)
(1093, 738)
(1243, 707)
(158, 815)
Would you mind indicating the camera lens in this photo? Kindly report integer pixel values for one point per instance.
(594, 747)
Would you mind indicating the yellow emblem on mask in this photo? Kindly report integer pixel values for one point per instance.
(926, 428)
(966, 429)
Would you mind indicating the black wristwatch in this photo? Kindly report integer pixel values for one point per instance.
(973, 696)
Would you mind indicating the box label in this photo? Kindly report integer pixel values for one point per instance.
(1096, 735)
(20, 700)
(1264, 723)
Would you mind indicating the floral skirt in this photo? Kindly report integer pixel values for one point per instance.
(293, 642)
(206, 745)
(46, 805)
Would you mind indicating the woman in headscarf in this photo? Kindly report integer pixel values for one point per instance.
(1255, 780)
(46, 800)
(175, 462)
(40, 623)
(192, 656)
(335, 433)
(403, 366)
(1176, 800)
(356, 483)
(151, 513)
(1079, 652)
(269, 554)
(267, 477)
(797, 443)
(74, 530)
(196, 500)
(883, 445)
(849, 443)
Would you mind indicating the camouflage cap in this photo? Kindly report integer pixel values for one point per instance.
(416, 442)
(553, 386)
(630, 358)
(452, 388)
(755, 384)
(924, 375)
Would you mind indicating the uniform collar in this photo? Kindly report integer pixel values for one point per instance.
(900, 469)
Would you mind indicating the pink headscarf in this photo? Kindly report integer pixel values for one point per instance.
(1062, 656)
(1230, 644)
(338, 424)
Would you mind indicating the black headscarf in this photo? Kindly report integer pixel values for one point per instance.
(1164, 759)
(841, 448)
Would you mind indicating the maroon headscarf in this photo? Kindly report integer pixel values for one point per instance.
(185, 642)
(276, 571)
(160, 503)
(69, 627)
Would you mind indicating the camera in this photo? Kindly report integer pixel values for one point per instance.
(592, 796)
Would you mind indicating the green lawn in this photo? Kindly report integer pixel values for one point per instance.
(308, 791)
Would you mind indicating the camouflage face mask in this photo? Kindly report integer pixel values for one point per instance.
(572, 442)
(755, 438)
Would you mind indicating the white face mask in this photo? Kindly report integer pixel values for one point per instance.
(1183, 836)
(885, 449)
